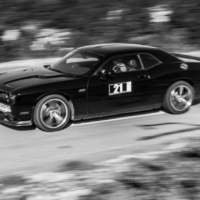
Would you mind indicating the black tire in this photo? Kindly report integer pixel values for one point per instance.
(179, 97)
(52, 113)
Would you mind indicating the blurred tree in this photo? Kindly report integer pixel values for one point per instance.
(96, 21)
(186, 16)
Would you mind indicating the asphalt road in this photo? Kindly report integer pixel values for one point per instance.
(31, 150)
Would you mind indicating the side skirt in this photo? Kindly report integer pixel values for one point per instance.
(113, 113)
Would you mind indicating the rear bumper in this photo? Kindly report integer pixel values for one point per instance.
(11, 122)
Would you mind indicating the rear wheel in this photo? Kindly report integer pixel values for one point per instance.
(52, 113)
(178, 98)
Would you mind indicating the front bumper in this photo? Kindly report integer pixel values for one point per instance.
(11, 122)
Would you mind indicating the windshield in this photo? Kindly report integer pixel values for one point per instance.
(76, 63)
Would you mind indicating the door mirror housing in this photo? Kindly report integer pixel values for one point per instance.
(103, 74)
(106, 74)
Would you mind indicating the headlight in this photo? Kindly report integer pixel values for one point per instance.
(4, 108)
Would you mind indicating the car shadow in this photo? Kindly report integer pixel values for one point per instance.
(194, 127)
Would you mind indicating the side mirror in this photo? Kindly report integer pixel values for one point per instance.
(106, 74)
(103, 74)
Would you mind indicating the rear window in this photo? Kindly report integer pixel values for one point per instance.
(148, 60)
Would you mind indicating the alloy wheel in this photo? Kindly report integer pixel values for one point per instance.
(54, 113)
(181, 98)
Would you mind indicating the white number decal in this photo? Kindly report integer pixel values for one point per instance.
(120, 88)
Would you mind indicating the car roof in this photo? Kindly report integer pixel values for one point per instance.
(114, 48)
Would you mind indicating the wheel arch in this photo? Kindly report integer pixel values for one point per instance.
(184, 79)
(65, 95)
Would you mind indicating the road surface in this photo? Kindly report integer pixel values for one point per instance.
(29, 149)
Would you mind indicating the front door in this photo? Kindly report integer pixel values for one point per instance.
(125, 90)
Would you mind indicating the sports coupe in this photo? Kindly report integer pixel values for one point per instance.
(96, 81)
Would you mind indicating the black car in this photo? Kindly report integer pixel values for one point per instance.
(97, 81)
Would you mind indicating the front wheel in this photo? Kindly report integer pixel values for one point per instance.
(52, 113)
(179, 97)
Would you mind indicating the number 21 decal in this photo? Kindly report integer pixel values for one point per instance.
(120, 88)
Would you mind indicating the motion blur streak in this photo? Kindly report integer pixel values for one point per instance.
(51, 28)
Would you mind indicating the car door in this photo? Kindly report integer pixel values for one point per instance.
(112, 91)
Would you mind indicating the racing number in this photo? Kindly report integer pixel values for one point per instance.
(120, 88)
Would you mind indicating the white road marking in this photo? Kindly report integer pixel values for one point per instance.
(121, 118)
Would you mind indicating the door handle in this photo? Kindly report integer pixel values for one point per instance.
(142, 76)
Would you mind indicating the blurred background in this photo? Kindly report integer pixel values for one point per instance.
(51, 28)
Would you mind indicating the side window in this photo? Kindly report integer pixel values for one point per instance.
(148, 60)
(122, 64)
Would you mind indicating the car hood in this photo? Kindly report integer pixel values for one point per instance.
(14, 79)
